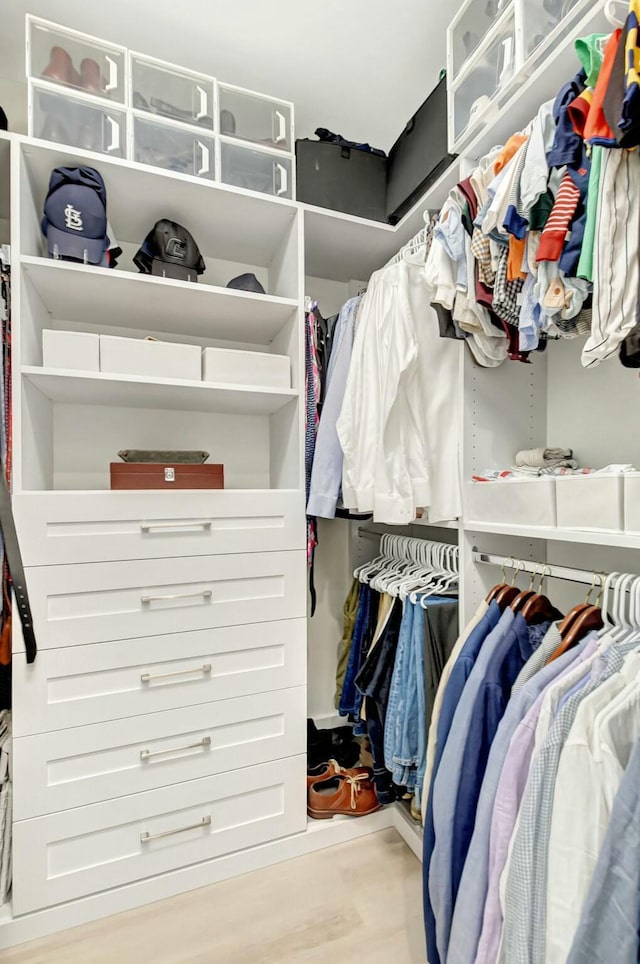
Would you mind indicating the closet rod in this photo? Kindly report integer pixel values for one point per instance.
(368, 534)
(524, 565)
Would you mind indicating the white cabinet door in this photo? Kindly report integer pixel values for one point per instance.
(62, 527)
(67, 855)
(79, 604)
(80, 685)
(88, 764)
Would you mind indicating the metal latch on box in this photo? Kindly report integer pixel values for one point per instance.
(170, 475)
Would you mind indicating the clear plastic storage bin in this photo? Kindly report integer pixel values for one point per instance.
(493, 70)
(594, 502)
(76, 60)
(525, 502)
(469, 28)
(542, 17)
(253, 170)
(252, 117)
(171, 92)
(67, 119)
(173, 148)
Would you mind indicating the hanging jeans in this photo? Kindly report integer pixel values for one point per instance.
(374, 682)
(405, 733)
(399, 696)
(413, 733)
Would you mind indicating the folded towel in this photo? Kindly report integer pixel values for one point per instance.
(541, 458)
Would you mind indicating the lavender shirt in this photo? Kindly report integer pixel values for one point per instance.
(511, 787)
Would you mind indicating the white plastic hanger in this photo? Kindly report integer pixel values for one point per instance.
(610, 8)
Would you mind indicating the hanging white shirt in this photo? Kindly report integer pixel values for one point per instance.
(384, 463)
(591, 767)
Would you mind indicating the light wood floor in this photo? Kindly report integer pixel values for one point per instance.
(359, 903)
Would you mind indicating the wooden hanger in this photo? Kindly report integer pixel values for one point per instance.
(509, 593)
(539, 607)
(501, 585)
(585, 619)
(573, 614)
(518, 602)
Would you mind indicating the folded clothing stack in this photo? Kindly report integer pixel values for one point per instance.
(541, 461)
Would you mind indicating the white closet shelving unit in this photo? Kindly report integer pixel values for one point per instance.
(117, 681)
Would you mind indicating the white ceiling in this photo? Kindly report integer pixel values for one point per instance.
(359, 67)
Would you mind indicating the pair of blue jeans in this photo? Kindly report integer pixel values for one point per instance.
(405, 727)
(374, 682)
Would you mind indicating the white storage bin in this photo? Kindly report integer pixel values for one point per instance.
(172, 92)
(267, 172)
(71, 349)
(527, 502)
(479, 85)
(66, 119)
(632, 502)
(155, 359)
(173, 148)
(71, 59)
(594, 502)
(254, 117)
(469, 28)
(246, 368)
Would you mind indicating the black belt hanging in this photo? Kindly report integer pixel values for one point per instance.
(14, 560)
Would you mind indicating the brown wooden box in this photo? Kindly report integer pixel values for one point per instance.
(145, 475)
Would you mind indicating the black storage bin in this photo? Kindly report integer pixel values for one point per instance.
(341, 178)
(419, 156)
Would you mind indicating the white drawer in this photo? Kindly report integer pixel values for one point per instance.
(59, 527)
(77, 852)
(173, 148)
(167, 91)
(253, 117)
(75, 60)
(73, 605)
(66, 119)
(88, 764)
(109, 681)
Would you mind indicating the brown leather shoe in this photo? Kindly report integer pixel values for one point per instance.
(331, 769)
(354, 796)
(322, 772)
(60, 68)
(90, 78)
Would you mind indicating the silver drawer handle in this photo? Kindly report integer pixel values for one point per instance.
(154, 526)
(205, 594)
(204, 744)
(148, 678)
(147, 837)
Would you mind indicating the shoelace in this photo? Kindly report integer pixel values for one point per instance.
(355, 784)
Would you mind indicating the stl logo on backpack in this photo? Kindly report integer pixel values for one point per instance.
(73, 218)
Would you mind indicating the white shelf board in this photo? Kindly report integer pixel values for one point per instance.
(104, 296)
(345, 248)
(226, 222)
(622, 540)
(125, 391)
